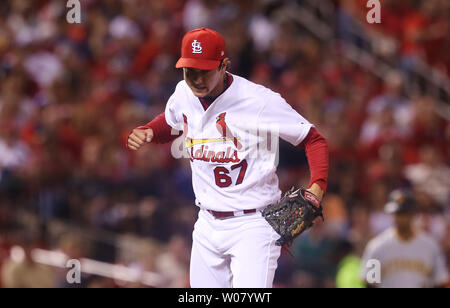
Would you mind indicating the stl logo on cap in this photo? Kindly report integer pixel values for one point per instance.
(196, 47)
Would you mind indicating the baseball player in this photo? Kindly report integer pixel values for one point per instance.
(409, 258)
(223, 118)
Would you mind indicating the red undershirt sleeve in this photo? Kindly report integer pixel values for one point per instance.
(162, 132)
(316, 149)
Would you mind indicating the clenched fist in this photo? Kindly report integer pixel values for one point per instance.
(138, 137)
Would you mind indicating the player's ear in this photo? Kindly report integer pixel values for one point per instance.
(224, 64)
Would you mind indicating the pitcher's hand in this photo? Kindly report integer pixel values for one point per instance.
(139, 137)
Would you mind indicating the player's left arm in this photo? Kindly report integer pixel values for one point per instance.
(316, 149)
(295, 129)
(440, 271)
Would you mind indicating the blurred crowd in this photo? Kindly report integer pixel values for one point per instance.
(71, 93)
(410, 30)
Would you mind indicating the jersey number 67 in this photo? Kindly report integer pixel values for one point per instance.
(222, 177)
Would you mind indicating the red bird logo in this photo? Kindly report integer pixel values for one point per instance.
(223, 129)
(185, 124)
(185, 130)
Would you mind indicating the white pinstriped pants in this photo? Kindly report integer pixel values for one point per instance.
(238, 252)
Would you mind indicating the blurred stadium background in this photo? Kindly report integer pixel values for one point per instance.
(70, 94)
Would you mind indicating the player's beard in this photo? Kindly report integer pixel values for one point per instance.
(405, 231)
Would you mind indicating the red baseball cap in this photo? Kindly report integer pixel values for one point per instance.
(202, 48)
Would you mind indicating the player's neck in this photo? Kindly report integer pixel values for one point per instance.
(405, 234)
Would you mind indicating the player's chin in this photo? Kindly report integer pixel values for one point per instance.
(200, 92)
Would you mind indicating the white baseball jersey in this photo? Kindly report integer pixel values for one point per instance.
(233, 158)
(416, 263)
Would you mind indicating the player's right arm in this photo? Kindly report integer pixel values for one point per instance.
(139, 137)
(156, 131)
(165, 127)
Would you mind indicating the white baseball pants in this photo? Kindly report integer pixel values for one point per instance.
(238, 252)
